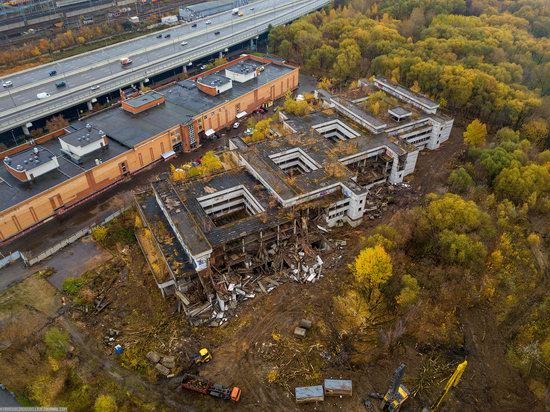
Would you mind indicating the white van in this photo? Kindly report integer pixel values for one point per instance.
(42, 95)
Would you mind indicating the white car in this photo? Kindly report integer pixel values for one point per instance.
(236, 125)
(184, 43)
(42, 95)
(203, 67)
(252, 8)
(208, 21)
(97, 86)
(248, 132)
(7, 83)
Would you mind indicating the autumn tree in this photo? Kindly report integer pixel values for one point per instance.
(452, 212)
(409, 291)
(210, 162)
(475, 133)
(296, 107)
(535, 130)
(56, 123)
(261, 130)
(105, 403)
(372, 267)
(347, 62)
(523, 183)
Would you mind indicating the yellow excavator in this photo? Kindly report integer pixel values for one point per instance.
(451, 383)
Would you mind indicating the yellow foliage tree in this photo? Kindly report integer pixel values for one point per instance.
(105, 403)
(261, 130)
(176, 174)
(373, 267)
(296, 107)
(210, 163)
(324, 83)
(475, 133)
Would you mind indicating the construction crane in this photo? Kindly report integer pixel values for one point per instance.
(451, 383)
(397, 394)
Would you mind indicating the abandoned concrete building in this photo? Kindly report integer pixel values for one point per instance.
(216, 240)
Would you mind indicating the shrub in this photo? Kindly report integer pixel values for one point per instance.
(99, 233)
(57, 343)
(105, 403)
(72, 286)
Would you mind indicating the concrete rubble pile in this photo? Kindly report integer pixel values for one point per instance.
(279, 265)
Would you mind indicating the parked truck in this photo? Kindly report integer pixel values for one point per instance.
(125, 61)
(206, 387)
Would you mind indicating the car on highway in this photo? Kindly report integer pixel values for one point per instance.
(52, 72)
(60, 84)
(167, 35)
(208, 21)
(97, 86)
(252, 8)
(42, 95)
(159, 36)
(194, 25)
(236, 125)
(216, 33)
(184, 43)
(7, 83)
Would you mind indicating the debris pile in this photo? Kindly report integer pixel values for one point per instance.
(164, 364)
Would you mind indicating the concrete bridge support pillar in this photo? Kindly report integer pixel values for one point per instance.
(141, 85)
(26, 131)
(185, 69)
(221, 54)
(90, 105)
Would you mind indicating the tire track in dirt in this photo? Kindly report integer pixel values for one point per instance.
(239, 362)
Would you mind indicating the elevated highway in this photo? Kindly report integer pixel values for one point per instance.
(150, 55)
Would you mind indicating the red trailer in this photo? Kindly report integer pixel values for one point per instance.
(206, 387)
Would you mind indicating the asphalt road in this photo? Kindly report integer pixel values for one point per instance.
(149, 55)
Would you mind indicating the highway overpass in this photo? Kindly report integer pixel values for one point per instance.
(150, 55)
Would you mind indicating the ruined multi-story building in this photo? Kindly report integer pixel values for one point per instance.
(269, 213)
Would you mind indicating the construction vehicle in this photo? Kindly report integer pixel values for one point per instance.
(206, 387)
(397, 394)
(451, 383)
(203, 356)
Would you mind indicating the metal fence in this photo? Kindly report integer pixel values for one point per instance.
(33, 260)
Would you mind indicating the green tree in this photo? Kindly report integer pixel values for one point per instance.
(347, 62)
(105, 403)
(373, 267)
(460, 180)
(461, 249)
(475, 133)
(409, 291)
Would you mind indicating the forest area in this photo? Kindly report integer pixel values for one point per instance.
(477, 252)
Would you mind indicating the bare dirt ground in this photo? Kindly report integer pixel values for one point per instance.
(257, 351)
